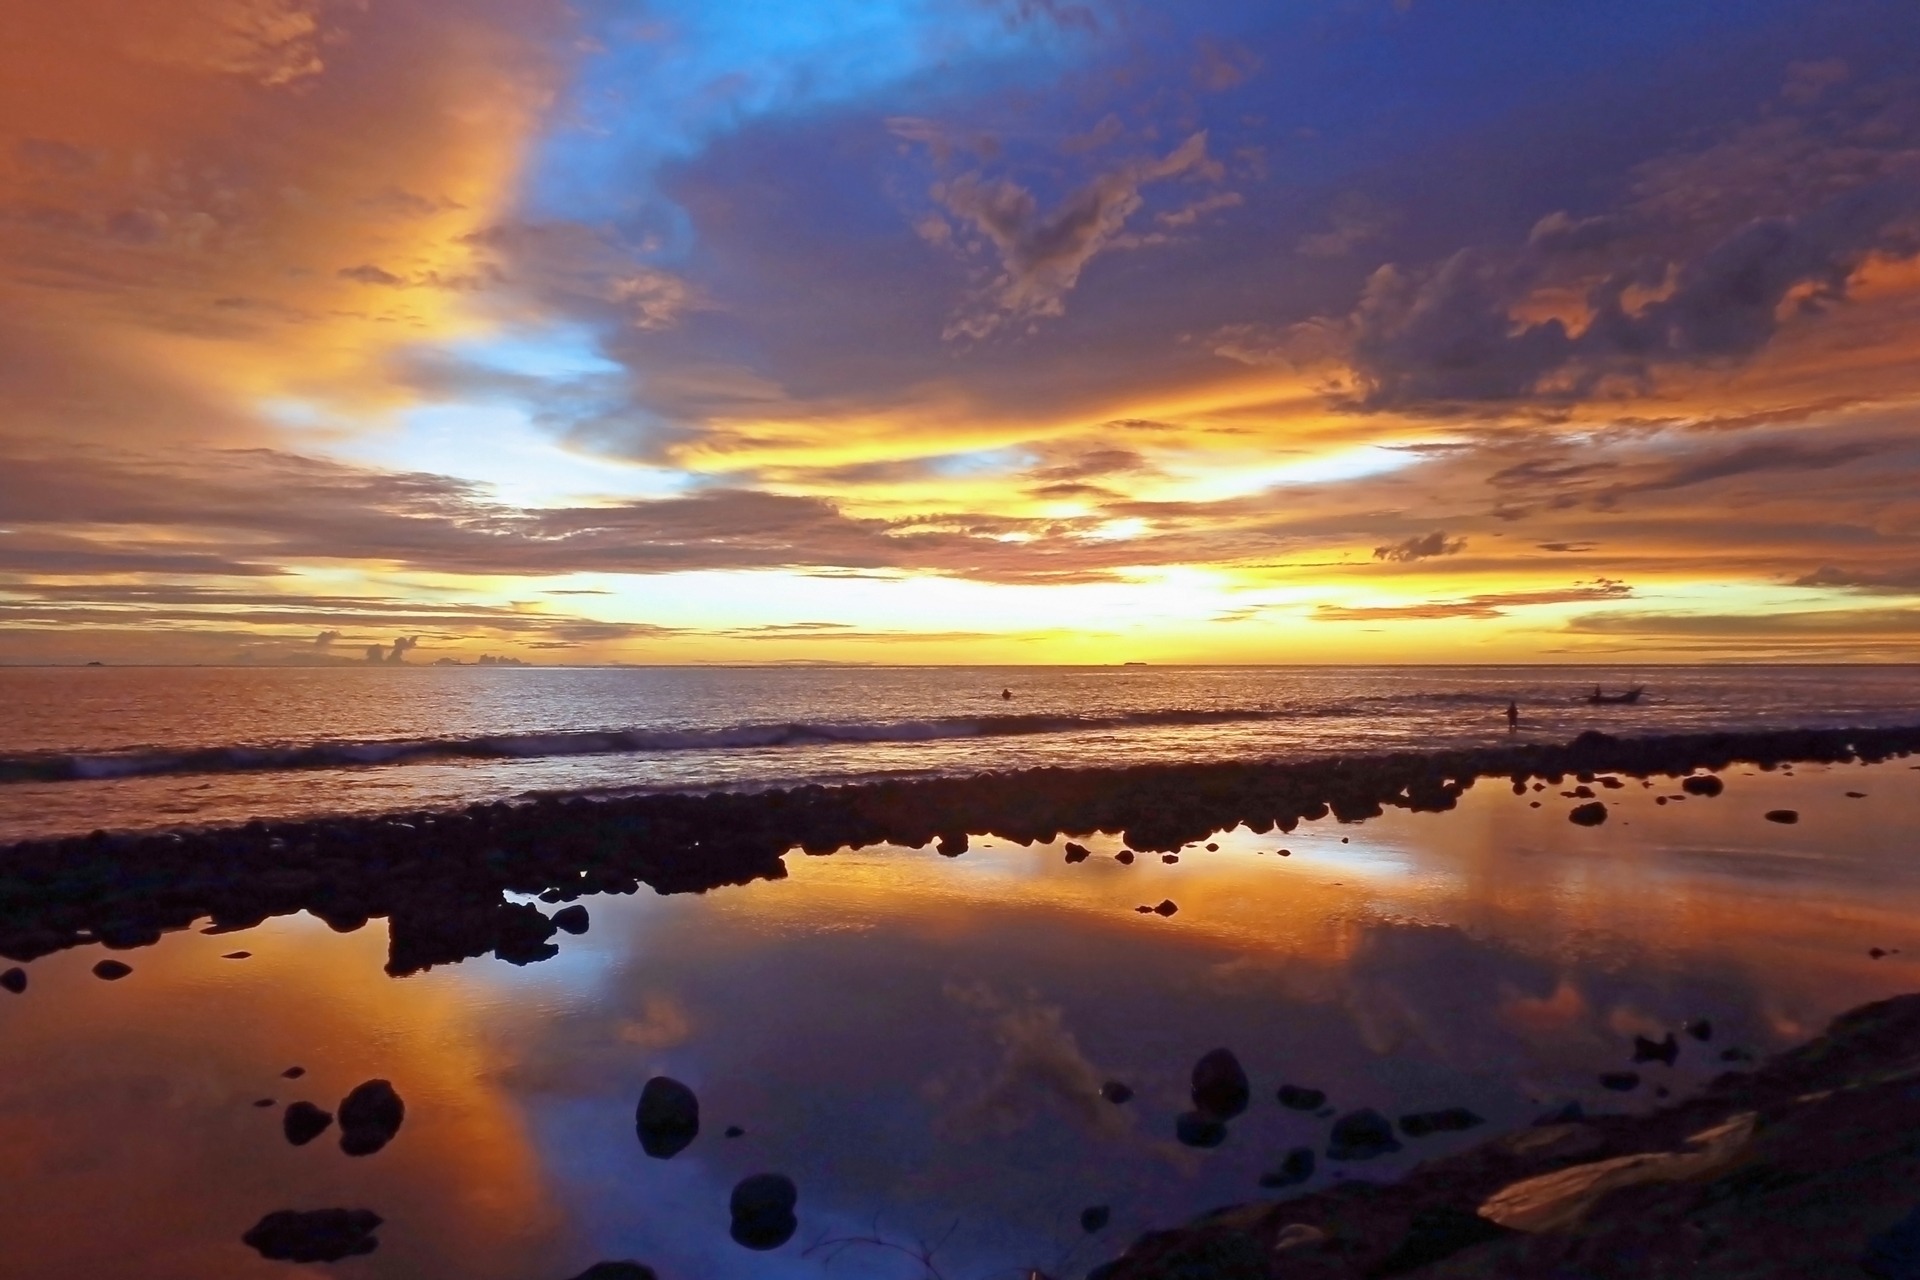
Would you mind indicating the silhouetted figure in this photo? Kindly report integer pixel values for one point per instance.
(1006, 695)
(1513, 716)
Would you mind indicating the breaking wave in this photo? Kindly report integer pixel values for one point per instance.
(145, 762)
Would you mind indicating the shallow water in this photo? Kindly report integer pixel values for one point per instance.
(915, 1040)
(135, 748)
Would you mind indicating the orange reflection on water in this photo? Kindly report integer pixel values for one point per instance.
(133, 1148)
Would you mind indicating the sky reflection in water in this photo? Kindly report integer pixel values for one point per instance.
(915, 1040)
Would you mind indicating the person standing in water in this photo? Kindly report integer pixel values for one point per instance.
(1006, 695)
(1513, 716)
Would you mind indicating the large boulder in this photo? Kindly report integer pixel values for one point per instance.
(370, 1116)
(668, 1118)
(1220, 1085)
(762, 1209)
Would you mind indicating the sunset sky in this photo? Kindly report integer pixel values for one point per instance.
(959, 330)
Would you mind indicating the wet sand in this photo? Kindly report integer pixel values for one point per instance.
(917, 1039)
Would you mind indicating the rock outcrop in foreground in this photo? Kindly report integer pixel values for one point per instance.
(1806, 1167)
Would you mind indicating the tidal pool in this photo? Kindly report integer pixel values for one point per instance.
(919, 1041)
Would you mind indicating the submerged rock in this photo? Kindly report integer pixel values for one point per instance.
(1077, 852)
(668, 1118)
(1124, 857)
(14, 980)
(762, 1209)
(370, 1116)
(318, 1235)
(1296, 1098)
(1591, 814)
(1645, 1050)
(1786, 817)
(111, 970)
(293, 1073)
(1702, 784)
(1447, 1120)
(303, 1122)
(1295, 1169)
(1166, 907)
(1198, 1129)
(571, 919)
(1117, 1092)
(1620, 1081)
(1220, 1085)
(1700, 1029)
(1095, 1218)
(1361, 1135)
(617, 1271)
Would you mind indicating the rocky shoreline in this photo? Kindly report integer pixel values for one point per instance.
(1808, 1166)
(440, 878)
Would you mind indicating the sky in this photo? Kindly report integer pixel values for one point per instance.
(662, 331)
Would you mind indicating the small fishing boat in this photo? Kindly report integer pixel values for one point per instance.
(1599, 699)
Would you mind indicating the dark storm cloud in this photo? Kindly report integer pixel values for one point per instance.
(1447, 336)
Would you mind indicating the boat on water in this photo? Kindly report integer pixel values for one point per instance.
(1599, 699)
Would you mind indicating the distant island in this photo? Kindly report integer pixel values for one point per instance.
(485, 660)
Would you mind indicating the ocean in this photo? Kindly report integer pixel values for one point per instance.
(85, 748)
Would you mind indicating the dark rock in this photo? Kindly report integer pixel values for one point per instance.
(1702, 784)
(617, 1271)
(263, 1102)
(293, 1073)
(1124, 857)
(1295, 1098)
(571, 919)
(370, 1116)
(668, 1118)
(1198, 1129)
(1894, 1254)
(238, 955)
(1095, 1218)
(1437, 1231)
(1117, 1092)
(1166, 907)
(14, 980)
(1077, 852)
(1700, 1029)
(319, 1235)
(1294, 1170)
(1169, 857)
(733, 1131)
(1875, 953)
(952, 845)
(1620, 1081)
(1591, 814)
(111, 970)
(1856, 795)
(303, 1122)
(1447, 1120)
(1144, 910)
(762, 1209)
(1220, 1085)
(1285, 853)
(1580, 793)
(1213, 848)
(1645, 1050)
(1786, 817)
(1361, 1135)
